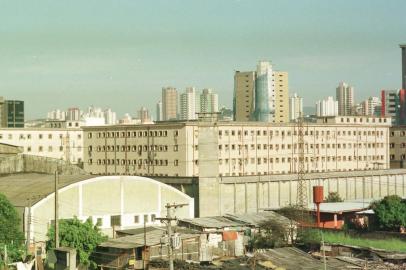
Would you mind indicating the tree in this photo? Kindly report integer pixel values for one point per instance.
(333, 197)
(390, 213)
(11, 236)
(272, 234)
(83, 236)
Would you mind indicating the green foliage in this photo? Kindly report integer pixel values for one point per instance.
(83, 236)
(390, 213)
(390, 244)
(10, 233)
(333, 197)
(272, 234)
(309, 237)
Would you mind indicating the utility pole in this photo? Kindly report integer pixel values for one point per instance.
(56, 211)
(27, 247)
(324, 251)
(168, 221)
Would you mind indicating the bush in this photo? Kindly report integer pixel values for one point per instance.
(390, 213)
(333, 197)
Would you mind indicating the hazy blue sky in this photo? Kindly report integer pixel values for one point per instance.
(56, 54)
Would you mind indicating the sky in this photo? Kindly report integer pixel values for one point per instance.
(120, 53)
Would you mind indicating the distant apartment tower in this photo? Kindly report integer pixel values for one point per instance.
(110, 117)
(390, 105)
(159, 111)
(244, 95)
(73, 114)
(264, 93)
(368, 106)
(3, 120)
(403, 48)
(345, 98)
(188, 108)
(327, 107)
(281, 84)
(144, 116)
(209, 101)
(295, 107)
(12, 113)
(402, 107)
(169, 103)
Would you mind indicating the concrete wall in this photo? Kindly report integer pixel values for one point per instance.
(28, 163)
(253, 193)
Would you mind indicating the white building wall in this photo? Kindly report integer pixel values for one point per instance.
(104, 197)
(65, 144)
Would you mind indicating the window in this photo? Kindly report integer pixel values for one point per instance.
(176, 162)
(136, 219)
(146, 219)
(99, 222)
(40, 149)
(115, 220)
(49, 136)
(153, 216)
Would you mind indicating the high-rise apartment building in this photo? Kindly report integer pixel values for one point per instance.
(73, 114)
(281, 84)
(403, 48)
(159, 111)
(327, 107)
(345, 98)
(169, 103)
(390, 105)
(295, 107)
(264, 93)
(368, 106)
(244, 95)
(110, 117)
(188, 104)
(13, 114)
(144, 116)
(209, 101)
(3, 120)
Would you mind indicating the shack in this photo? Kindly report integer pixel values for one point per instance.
(138, 248)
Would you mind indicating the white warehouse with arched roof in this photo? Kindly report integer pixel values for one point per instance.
(113, 202)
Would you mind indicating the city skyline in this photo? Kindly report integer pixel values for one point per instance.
(74, 54)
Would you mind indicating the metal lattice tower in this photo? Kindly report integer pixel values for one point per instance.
(301, 185)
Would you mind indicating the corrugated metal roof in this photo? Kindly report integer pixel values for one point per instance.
(153, 238)
(340, 207)
(236, 220)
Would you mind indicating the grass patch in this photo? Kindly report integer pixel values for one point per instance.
(390, 244)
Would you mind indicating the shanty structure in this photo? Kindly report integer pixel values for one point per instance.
(334, 215)
(141, 246)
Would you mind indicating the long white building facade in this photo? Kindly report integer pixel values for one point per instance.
(60, 143)
(237, 148)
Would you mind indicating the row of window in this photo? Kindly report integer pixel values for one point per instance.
(156, 162)
(306, 132)
(40, 136)
(132, 134)
(307, 159)
(293, 171)
(295, 146)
